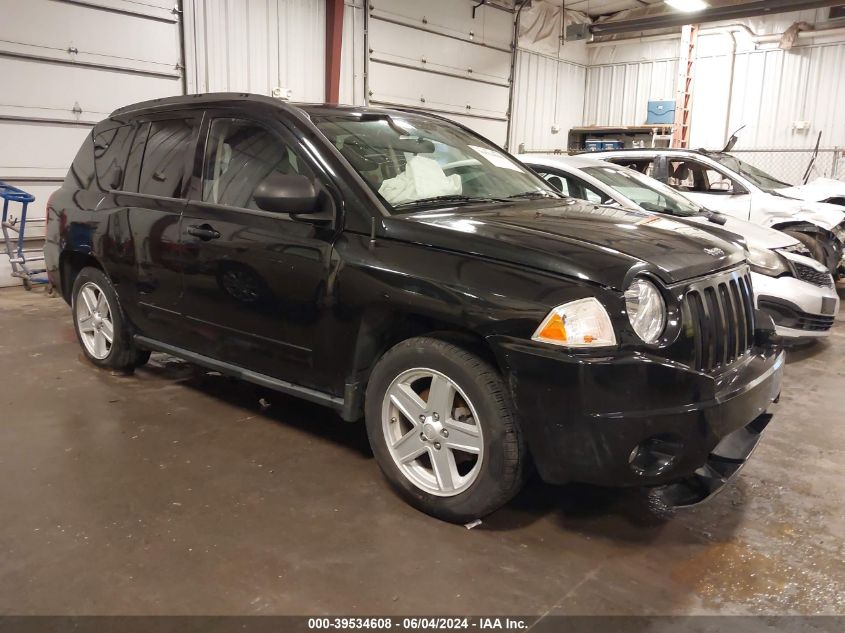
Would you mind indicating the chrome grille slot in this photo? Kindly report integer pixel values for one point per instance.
(722, 312)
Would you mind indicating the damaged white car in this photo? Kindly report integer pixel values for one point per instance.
(722, 183)
(795, 290)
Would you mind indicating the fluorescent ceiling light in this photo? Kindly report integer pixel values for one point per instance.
(687, 6)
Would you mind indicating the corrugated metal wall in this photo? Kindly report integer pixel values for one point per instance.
(65, 66)
(352, 60)
(547, 91)
(256, 46)
(771, 91)
(623, 78)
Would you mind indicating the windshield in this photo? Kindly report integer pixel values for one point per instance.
(760, 178)
(648, 193)
(413, 161)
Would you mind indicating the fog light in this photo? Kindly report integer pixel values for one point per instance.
(656, 455)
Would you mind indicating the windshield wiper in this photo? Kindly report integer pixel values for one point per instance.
(448, 198)
(533, 194)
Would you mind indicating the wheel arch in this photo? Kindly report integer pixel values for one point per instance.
(380, 331)
(70, 264)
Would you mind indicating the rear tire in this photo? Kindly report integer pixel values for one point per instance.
(443, 430)
(101, 327)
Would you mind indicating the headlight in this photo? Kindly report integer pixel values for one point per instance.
(646, 310)
(581, 323)
(766, 262)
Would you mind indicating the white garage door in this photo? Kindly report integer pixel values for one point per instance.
(66, 65)
(434, 56)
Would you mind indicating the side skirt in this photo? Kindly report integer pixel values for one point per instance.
(348, 410)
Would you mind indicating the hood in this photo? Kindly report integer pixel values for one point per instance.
(753, 234)
(817, 190)
(600, 244)
(779, 209)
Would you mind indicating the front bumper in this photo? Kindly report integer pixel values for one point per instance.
(588, 419)
(723, 465)
(798, 308)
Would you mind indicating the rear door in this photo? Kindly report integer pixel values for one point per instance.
(154, 185)
(254, 281)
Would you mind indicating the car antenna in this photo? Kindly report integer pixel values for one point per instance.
(733, 139)
(813, 158)
(372, 231)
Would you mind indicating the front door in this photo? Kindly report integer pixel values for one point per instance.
(710, 187)
(254, 281)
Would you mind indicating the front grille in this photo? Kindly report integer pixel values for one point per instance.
(813, 276)
(814, 323)
(722, 312)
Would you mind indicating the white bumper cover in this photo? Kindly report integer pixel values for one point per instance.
(806, 297)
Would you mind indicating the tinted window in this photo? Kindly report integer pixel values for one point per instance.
(110, 148)
(136, 155)
(169, 147)
(239, 156)
(81, 173)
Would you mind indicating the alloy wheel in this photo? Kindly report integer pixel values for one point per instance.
(432, 432)
(94, 320)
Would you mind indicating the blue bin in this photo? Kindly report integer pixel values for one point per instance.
(612, 145)
(594, 144)
(661, 113)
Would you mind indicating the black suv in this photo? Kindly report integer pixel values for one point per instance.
(398, 267)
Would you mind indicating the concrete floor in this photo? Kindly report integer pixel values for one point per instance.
(175, 491)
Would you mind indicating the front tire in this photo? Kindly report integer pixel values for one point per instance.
(814, 245)
(101, 327)
(442, 428)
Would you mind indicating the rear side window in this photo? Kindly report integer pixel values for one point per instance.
(239, 155)
(136, 155)
(166, 155)
(574, 187)
(81, 174)
(558, 182)
(110, 148)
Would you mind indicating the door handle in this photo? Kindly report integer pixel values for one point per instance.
(203, 231)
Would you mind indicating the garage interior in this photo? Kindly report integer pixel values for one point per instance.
(178, 491)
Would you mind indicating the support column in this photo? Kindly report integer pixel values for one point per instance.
(334, 38)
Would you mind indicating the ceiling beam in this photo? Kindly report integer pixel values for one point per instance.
(749, 9)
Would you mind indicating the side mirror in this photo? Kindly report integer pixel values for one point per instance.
(660, 169)
(286, 193)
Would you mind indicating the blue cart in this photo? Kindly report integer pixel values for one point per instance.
(14, 236)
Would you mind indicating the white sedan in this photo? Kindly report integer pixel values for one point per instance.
(795, 290)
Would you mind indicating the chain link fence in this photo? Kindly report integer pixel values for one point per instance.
(790, 165)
